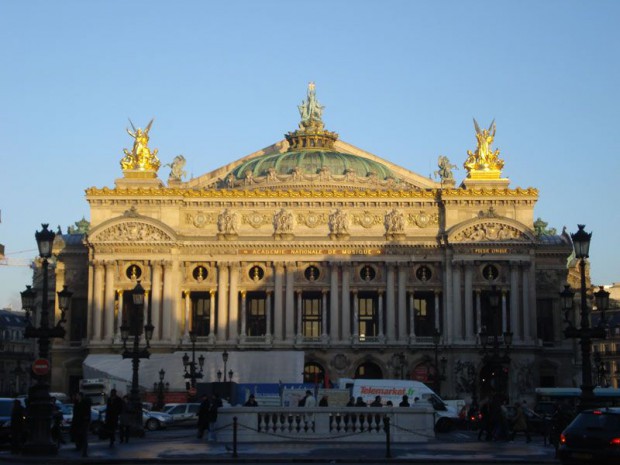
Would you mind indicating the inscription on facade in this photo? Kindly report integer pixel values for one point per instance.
(310, 252)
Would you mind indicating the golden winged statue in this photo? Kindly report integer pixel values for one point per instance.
(140, 157)
(484, 158)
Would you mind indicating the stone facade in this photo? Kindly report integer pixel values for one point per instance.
(355, 269)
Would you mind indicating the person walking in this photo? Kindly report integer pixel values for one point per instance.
(405, 401)
(251, 402)
(216, 403)
(519, 423)
(18, 423)
(203, 416)
(114, 408)
(125, 421)
(80, 424)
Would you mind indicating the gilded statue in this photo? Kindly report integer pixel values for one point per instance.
(140, 158)
(484, 158)
(311, 109)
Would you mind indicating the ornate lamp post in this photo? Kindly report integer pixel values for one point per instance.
(440, 375)
(585, 334)
(133, 326)
(39, 401)
(230, 372)
(160, 388)
(491, 350)
(193, 371)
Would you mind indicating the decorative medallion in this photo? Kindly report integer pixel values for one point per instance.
(367, 219)
(256, 273)
(200, 273)
(133, 272)
(256, 219)
(423, 219)
(423, 273)
(312, 273)
(490, 272)
(367, 273)
(200, 219)
(312, 219)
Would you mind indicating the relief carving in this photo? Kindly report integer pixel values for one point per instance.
(256, 219)
(200, 219)
(367, 219)
(132, 231)
(339, 224)
(312, 219)
(423, 219)
(490, 232)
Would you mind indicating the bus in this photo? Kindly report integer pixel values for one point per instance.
(547, 398)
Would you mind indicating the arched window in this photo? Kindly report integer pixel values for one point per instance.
(314, 373)
(368, 370)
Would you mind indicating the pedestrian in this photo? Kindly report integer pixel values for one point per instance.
(389, 403)
(216, 403)
(404, 402)
(251, 402)
(359, 402)
(377, 402)
(324, 401)
(18, 423)
(56, 430)
(203, 416)
(484, 422)
(113, 410)
(519, 423)
(310, 400)
(351, 402)
(125, 420)
(80, 424)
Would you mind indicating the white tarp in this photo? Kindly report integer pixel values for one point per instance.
(247, 366)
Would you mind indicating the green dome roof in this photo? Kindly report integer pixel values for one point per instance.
(312, 162)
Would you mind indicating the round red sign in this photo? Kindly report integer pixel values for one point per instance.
(41, 367)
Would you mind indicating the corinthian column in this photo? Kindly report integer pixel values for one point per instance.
(222, 301)
(156, 296)
(98, 302)
(391, 310)
(402, 302)
(334, 313)
(109, 302)
(346, 302)
(278, 312)
(290, 303)
(233, 304)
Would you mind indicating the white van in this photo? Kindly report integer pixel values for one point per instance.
(446, 415)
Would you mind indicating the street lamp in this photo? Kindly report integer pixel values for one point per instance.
(160, 388)
(193, 371)
(491, 350)
(585, 334)
(133, 326)
(439, 375)
(230, 372)
(39, 415)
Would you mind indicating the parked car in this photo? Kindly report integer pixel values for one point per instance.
(183, 414)
(150, 420)
(6, 408)
(592, 437)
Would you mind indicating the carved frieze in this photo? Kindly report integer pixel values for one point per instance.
(256, 219)
(312, 219)
(132, 231)
(339, 224)
(423, 219)
(366, 219)
(200, 219)
(491, 231)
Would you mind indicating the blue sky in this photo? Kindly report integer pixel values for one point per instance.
(400, 79)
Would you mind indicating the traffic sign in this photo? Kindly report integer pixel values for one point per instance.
(192, 391)
(41, 366)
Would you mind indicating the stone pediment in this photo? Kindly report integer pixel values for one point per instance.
(131, 228)
(490, 229)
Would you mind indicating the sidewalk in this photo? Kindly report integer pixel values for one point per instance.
(181, 449)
